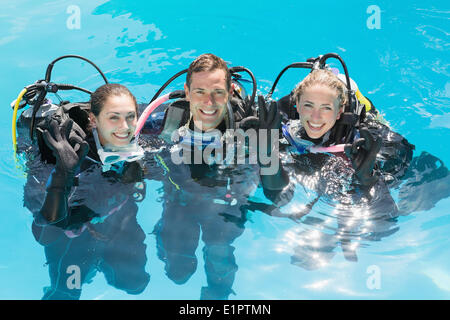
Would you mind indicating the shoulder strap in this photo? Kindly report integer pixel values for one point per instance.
(176, 115)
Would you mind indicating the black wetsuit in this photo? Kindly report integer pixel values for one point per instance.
(360, 216)
(208, 200)
(327, 182)
(101, 232)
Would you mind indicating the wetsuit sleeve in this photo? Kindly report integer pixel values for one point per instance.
(278, 188)
(396, 152)
(280, 197)
(46, 192)
(56, 209)
(274, 184)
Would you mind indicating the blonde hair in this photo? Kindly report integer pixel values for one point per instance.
(325, 78)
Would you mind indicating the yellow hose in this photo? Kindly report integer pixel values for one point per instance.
(14, 124)
(363, 100)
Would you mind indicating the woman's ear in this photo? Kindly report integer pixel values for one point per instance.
(92, 120)
(297, 105)
(341, 109)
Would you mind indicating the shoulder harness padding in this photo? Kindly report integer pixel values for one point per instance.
(177, 114)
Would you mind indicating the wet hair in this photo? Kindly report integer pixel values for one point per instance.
(325, 78)
(99, 96)
(208, 62)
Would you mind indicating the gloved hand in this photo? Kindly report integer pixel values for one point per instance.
(268, 120)
(250, 122)
(273, 176)
(363, 153)
(68, 146)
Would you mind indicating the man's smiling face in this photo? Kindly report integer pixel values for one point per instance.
(208, 96)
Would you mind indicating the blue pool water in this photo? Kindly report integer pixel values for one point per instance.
(403, 67)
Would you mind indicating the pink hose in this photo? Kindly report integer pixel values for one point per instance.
(336, 148)
(148, 110)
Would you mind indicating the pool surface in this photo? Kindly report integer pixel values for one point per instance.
(397, 53)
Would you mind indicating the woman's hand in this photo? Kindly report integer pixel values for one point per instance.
(68, 146)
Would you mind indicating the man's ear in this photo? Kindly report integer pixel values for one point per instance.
(186, 91)
(232, 86)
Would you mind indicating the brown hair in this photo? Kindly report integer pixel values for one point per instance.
(99, 96)
(325, 78)
(208, 62)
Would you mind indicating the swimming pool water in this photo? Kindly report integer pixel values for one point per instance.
(403, 67)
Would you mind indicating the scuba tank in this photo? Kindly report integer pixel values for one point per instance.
(41, 110)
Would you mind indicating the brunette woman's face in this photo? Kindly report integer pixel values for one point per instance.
(116, 121)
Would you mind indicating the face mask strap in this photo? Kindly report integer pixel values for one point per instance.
(131, 156)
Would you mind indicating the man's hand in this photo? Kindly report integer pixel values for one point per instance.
(363, 153)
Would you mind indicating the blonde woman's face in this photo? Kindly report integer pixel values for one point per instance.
(319, 109)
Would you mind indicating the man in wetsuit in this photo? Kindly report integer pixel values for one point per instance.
(202, 198)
